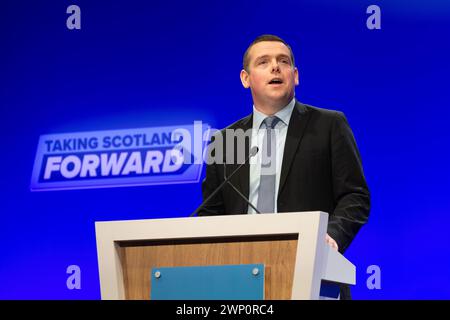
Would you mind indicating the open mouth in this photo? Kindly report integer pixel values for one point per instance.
(276, 81)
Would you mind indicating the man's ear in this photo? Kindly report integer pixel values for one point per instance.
(296, 76)
(245, 79)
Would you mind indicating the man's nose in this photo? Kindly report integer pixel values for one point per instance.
(275, 66)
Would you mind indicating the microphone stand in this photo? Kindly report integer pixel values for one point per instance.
(253, 152)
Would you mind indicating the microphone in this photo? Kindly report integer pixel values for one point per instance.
(253, 152)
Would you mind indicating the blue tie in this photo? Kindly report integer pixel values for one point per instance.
(266, 192)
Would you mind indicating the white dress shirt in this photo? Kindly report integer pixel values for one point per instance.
(257, 140)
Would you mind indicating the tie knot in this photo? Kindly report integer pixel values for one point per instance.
(271, 121)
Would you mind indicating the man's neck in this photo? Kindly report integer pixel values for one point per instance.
(271, 108)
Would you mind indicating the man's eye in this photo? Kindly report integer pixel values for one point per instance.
(285, 61)
(262, 62)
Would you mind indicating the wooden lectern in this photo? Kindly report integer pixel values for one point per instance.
(291, 246)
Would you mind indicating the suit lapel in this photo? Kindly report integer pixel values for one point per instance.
(244, 174)
(297, 125)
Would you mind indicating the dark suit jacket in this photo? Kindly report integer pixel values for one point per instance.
(321, 170)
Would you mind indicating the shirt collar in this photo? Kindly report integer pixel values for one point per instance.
(284, 114)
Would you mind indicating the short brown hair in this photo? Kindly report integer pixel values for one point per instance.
(265, 37)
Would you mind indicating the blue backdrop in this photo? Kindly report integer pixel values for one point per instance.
(136, 64)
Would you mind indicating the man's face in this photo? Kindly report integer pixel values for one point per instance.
(271, 75)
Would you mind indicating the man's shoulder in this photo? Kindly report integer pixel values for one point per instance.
(316, 112)
(319, 112)
(243, 123)
(322, 118)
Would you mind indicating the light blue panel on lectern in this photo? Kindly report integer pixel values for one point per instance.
(229, 282)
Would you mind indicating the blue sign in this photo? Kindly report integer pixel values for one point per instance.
(117, 158)
(223, 282)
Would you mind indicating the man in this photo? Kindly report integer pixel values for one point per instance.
(307, 160)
